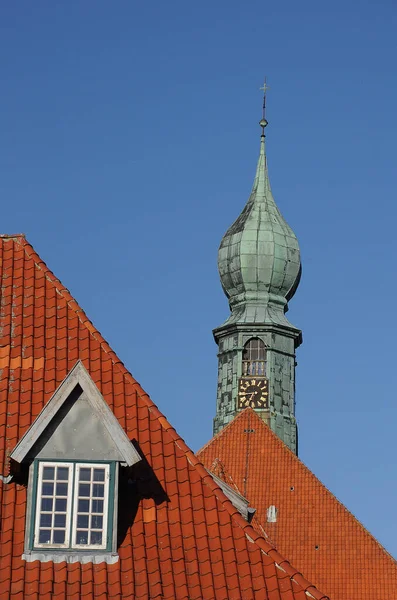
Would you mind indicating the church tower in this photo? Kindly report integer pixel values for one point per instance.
(259, 267)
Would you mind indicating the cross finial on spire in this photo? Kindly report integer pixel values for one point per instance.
(263, 121)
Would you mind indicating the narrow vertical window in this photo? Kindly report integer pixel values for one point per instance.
(91, 495)
(53, 505)
(254, 358)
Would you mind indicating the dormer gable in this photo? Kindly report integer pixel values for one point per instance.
(76, 424)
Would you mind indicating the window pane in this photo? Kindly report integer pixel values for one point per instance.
(85, 474)
(97, 506)
(52, 520)
(96, 522)
(99, 474)
(48, 473)
(84, 489)
(83, 506)
(98, 490)
(96, 537)
(45, 536)
(90, 518)
(46, 504)
(60, 504)
(59, 520)
(47, 489)
(59, 536)
(82, 537)
(62, 489)
(82, 521)
(46, 520)
(63, 473)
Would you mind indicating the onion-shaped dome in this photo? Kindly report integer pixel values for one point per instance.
(259, 259)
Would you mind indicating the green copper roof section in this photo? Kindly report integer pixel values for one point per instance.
(259, 258)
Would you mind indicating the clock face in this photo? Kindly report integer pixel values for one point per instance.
(253, 392)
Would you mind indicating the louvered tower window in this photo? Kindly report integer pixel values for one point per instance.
(254, 358)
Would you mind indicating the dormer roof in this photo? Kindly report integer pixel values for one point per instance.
(94, 430)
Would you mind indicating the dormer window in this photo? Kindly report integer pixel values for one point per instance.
(254, 358)
(73, 451)
(74, 505)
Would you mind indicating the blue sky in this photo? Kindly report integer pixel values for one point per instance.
(129, 140)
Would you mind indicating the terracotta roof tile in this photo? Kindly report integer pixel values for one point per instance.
(317, 533)
(188, 543)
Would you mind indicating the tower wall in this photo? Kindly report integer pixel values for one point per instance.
(280, 372)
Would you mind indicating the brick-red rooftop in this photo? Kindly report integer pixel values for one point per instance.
(319, 535)
(192, 544)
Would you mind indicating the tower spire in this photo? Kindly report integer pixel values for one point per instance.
(259, 268)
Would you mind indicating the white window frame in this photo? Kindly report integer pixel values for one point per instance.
(72, 505)
(106, 468)
(39, 497)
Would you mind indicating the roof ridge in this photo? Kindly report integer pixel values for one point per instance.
(193, 460)
(296, 458)
(12, 236)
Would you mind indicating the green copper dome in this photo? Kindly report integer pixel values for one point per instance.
(259, 259)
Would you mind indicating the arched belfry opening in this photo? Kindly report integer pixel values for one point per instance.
(254, 358)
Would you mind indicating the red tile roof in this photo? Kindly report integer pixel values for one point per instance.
(195, 545)
(319, 535)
